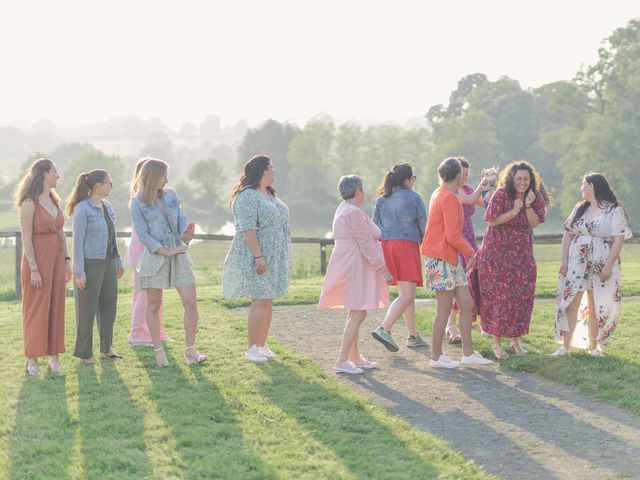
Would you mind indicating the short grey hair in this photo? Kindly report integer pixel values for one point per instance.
(348, 185)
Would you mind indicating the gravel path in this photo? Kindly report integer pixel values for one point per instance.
(515, 425)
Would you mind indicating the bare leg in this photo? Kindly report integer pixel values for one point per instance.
(258, 311)
(190, 305)
(444, 300)
(452, 319)
(154, 302)
(350, 334)
(465, 302)
(572, 319)
(593, 322)
(266, 324)
(400, 306)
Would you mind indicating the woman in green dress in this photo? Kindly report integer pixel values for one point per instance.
(258, 265)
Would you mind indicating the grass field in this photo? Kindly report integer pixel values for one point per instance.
(233, 419)
(227, 419)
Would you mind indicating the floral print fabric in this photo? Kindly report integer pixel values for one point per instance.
(269, 217)
(442, 276)
(588, 252)
(503, 278)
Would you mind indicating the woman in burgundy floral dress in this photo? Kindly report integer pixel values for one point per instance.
(503, 279)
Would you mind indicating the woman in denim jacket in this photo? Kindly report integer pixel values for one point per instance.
(401, 216)
(162, 228)
(96, 263)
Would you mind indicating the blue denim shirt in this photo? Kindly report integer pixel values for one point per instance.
(90, 234)
(401, 216)
(150, 222)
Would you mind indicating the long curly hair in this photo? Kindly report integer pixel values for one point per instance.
(32, 184)
(508, 173)
(601, 190)
(251, 175)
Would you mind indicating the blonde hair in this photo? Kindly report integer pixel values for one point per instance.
(32, 184)
(136, 172)
(149, 178)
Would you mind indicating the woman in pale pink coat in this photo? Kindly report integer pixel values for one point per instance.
(356, 277)
(139, 330)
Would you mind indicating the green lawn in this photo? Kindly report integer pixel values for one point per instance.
(227, 419)
(613, 378)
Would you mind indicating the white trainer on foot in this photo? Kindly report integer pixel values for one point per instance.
(348, 367)
(475, 359)
(596, 352)
(443, 362)
(253, 354)
(561, 352)
(266, 352)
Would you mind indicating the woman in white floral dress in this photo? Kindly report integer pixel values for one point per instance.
(594, 235)
(258, 265)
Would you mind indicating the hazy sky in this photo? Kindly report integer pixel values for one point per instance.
(79, 61)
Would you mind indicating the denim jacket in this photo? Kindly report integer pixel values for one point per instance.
(401, 216)
(150, 222)
(90, 234)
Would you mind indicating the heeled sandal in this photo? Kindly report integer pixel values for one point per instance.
(519, 351)
(31, 367)
(196, 358)
(161, 357)
(452, 334)
(499, 352)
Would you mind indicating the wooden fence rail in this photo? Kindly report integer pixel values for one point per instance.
(549, 238)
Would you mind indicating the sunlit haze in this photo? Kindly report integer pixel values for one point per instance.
(79, 61)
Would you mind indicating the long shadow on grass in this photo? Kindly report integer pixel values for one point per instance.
(463, 432)
(207, 434)
(42, 440)
(367, 447)
(557, 426)
(111, 425)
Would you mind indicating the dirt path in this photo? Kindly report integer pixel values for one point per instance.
(515, 425)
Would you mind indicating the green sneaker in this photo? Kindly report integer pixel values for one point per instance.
(385, 338)
(417, 341)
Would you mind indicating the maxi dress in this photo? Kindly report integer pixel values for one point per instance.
(588, 252)
(353, 281)
(269, 217)
(469, 234)
(503, 278)
(43, 308)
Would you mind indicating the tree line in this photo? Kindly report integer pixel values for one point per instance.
(565, 128)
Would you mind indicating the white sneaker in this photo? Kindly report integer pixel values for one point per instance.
(596, 352)
(253, 354)
(561, 352)
(266, 352)
(348, 367)
(443, 362)
(475, 359)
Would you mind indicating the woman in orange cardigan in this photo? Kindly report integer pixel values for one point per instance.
(445, 276)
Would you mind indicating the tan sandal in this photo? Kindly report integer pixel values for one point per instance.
(452, 334)
(499, 352)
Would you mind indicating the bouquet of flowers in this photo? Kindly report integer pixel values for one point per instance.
(491, 176)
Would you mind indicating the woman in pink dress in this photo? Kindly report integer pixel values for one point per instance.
(356, 277)
(139, 330)
(503, 278)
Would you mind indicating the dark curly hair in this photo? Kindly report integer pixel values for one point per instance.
(506, 181)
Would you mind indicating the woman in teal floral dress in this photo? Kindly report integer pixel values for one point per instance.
(594, 235)
(258, 265)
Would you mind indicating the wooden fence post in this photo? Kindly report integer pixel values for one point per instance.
(18, 275)
(323, 258)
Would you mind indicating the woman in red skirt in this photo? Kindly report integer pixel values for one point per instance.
(401, 216)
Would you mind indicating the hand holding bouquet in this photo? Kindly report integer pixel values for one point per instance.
(489, 177)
